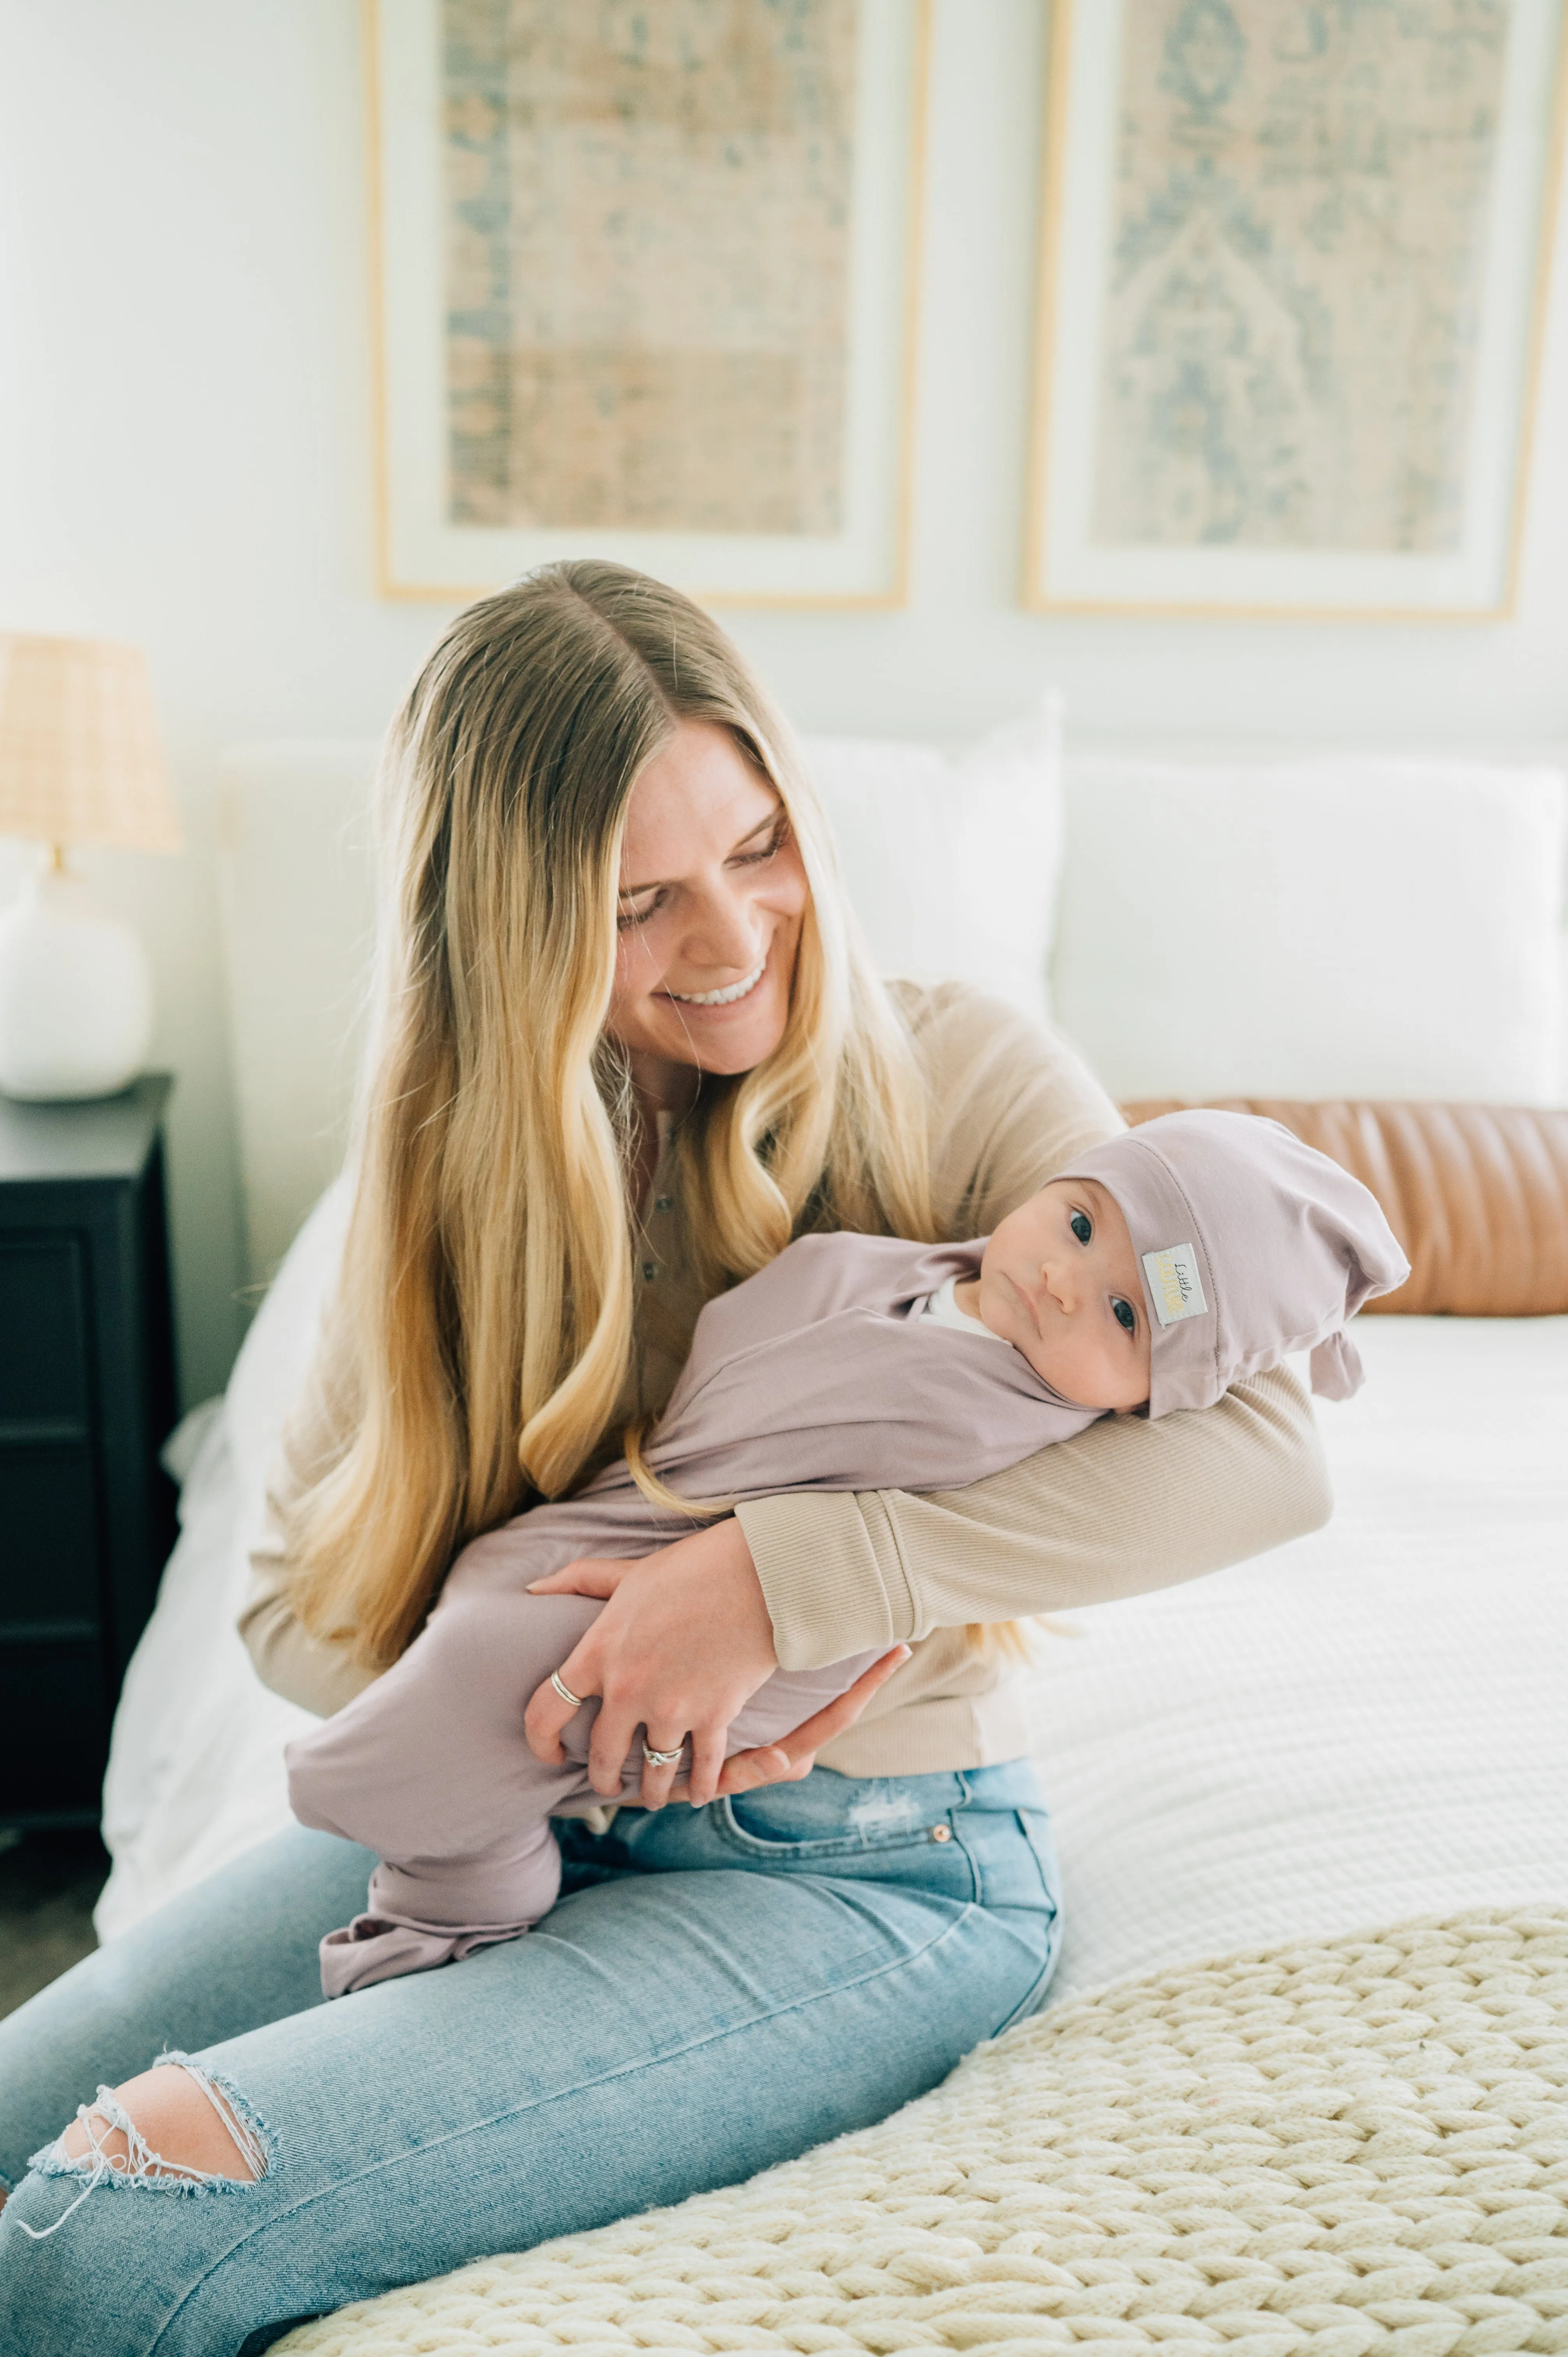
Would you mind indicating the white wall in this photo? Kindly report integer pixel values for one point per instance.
(185, 462)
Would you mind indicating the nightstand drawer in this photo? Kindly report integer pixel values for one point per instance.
(55, 1713)
(43, 1367)
(49, 1564)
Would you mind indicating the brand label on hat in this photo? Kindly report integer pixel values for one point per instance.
(1175, 1284)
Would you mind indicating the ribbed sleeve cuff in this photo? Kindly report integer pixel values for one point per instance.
(832, 1574)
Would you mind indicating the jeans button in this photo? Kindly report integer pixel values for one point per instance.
(941, 1833)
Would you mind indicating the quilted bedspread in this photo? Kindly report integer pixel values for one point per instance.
(1354, 2145)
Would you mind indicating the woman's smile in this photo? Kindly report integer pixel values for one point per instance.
(725, 998)
(736, 990)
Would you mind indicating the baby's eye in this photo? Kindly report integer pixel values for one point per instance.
(1125, 1316)
(1082, 1226)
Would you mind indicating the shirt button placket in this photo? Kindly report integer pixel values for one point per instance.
(650, 1267)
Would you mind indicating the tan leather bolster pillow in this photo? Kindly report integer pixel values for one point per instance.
(1477, 1196)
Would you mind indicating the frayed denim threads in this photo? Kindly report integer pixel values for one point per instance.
(141, 2168)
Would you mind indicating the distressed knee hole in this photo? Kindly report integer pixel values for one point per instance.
(189, 2134)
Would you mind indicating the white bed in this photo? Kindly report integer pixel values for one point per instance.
(1368, 1724)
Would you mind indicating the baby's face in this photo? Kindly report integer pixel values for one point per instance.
(1060, 1281)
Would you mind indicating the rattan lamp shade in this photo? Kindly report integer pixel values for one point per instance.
(80, 758)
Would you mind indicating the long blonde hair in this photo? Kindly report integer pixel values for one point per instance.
(483, 1328)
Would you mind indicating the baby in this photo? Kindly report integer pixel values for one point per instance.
(1162, 1268)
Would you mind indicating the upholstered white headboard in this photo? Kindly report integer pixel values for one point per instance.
(298, 903)
(1215, 922)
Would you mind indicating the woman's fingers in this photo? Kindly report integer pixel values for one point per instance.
(747, 1770)
(820, 1728)
(548, 1712)
(657, 1781)
(614, 1731)
(683, 1641)
(795, 1754)
(707, 1763)
(617, 1729)
(592, 1576)
(770, 1764)
(610, 1744)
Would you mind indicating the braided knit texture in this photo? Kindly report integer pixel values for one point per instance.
(1351, 2146)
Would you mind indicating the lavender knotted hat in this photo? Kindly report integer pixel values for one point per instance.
(1251, 1246)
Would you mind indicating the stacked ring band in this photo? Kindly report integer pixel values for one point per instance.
(565, 1691)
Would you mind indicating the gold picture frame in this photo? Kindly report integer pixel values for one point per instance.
(845, 542)
(1092, 368)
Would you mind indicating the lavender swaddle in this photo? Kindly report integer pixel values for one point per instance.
(814, 1374)
(819, 1373)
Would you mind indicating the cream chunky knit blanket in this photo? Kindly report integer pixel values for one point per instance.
(1351, 2146)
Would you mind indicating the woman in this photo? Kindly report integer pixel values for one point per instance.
(627, 1045)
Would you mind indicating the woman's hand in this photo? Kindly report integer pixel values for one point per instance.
(683, 1644)
(795, 1755)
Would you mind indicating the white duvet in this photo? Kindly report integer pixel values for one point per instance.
(1368, 1724)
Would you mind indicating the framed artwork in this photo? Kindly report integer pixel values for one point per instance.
(646, 282)
(1294, 266)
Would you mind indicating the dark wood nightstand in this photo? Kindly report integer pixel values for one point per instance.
(87, 1394)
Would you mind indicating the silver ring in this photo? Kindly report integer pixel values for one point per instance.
(565, 1691)
(660, 1759)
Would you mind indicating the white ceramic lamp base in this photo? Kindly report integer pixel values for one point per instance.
(76, 995)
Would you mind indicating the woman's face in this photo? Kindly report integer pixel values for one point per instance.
(712, 896)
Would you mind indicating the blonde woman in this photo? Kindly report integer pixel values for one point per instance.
(628, 1044)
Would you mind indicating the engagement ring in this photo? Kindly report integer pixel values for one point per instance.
(660, 1759)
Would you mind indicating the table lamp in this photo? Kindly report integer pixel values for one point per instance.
(79, 763)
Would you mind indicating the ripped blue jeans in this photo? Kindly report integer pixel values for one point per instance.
(716, 1989)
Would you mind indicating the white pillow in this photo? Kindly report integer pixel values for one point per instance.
(951, 862)
(275, 1355)
(1344, 926)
